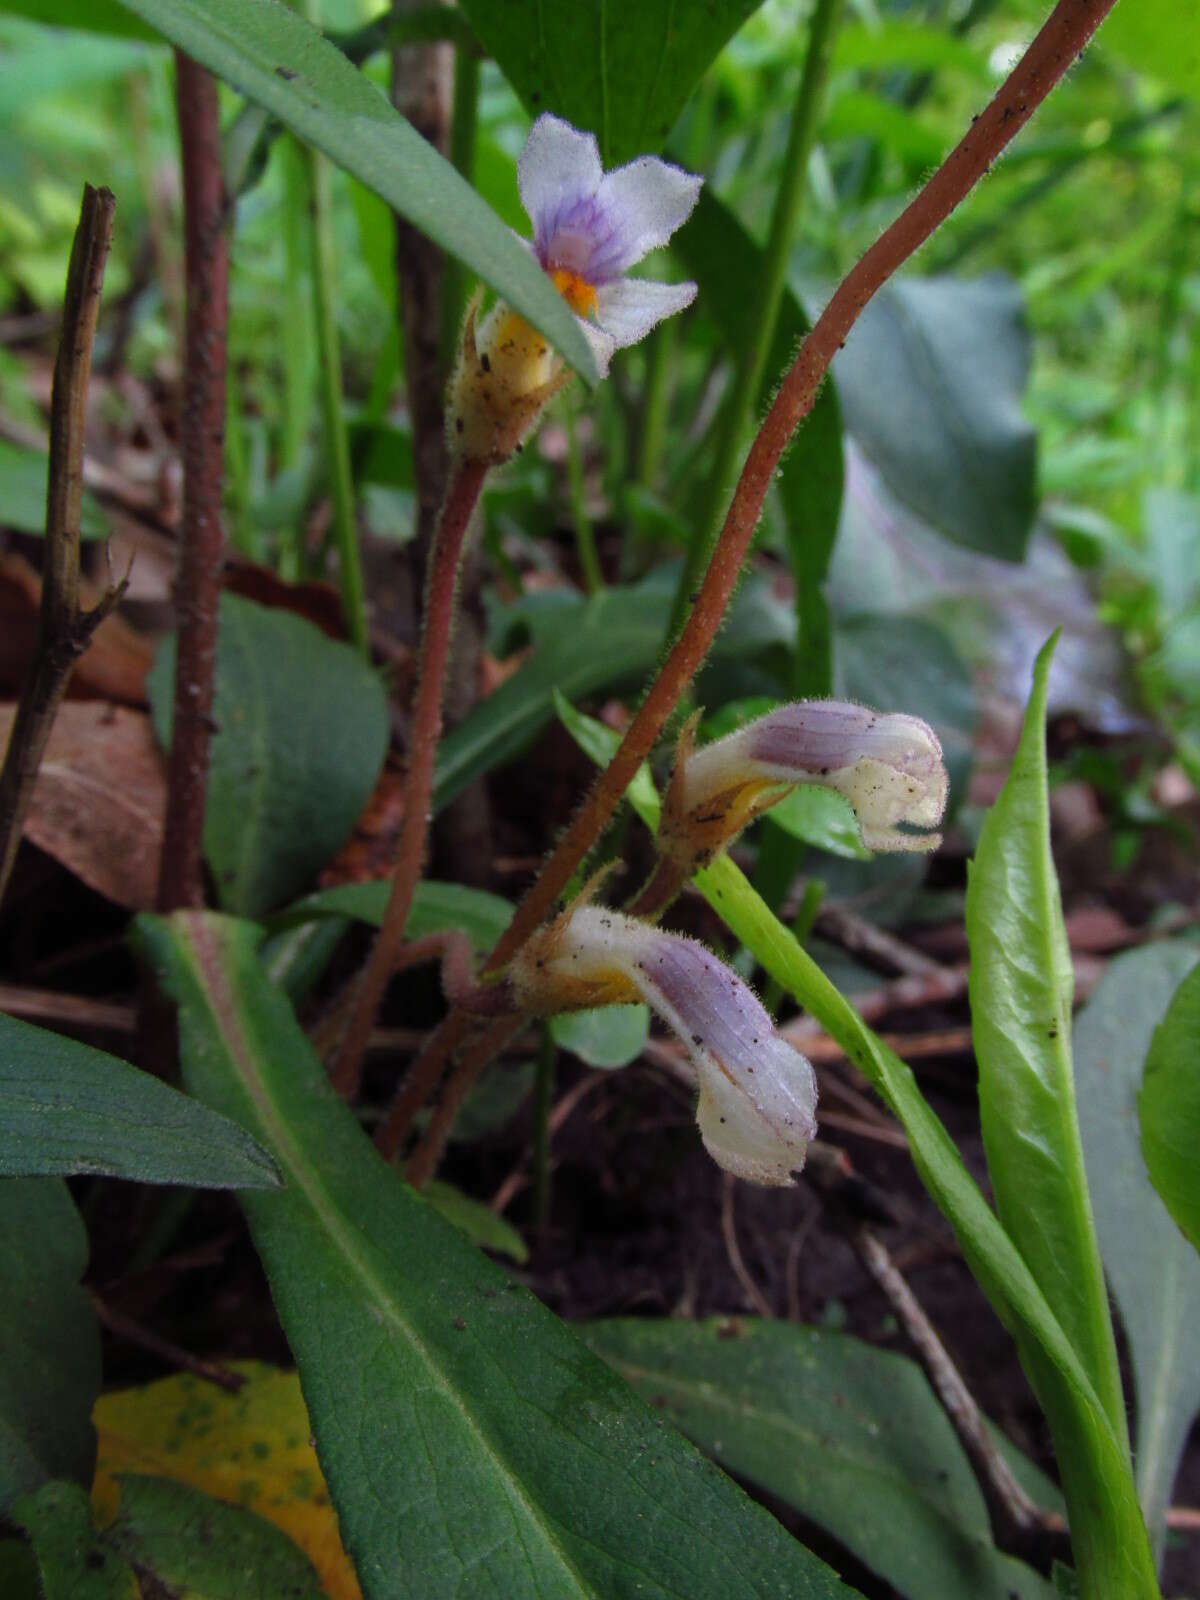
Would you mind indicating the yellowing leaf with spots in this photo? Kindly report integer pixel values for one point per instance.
(251, 1449)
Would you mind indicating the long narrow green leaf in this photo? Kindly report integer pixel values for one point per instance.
(1169, 1107)
(472, 1443)
(279, 61)
(66, 1108)
(1022, 983)
(1107, 1531)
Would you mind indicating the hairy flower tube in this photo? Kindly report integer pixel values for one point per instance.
(887, 765)
(589, 228)
(758, 1095)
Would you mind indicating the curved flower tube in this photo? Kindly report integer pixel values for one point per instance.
(589, 228)
(758, 1095)
(887, 765)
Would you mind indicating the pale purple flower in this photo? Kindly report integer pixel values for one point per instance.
(590, 227)
(887, 765)
(758, 1095)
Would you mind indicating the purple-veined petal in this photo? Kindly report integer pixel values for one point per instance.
(758, 1095)
(558, 168)
(649, 199)
(628, 310)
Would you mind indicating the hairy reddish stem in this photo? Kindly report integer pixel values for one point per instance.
(489, 1043)
(198, 583)
(1067, 30)
(421, 1081)
(425, 730)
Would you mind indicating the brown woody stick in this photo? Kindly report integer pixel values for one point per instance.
(64, 630)
(198, 583)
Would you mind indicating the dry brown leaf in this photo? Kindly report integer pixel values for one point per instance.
(99, 799)
(113, 667)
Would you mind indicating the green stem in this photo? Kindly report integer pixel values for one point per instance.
(585, 534)
(656, 404)
(462, 157)
(543, 1090)
(752, 361)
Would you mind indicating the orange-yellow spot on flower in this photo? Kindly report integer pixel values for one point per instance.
(579, 294)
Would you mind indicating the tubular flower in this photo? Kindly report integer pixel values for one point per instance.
(758, 1095)
(887, 765)
(589, 228)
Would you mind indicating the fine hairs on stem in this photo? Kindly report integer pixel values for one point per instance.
(1065, 33)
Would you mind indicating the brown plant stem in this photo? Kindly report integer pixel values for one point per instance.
(1019, 1525)
(64, 631)
(1067, 30)
(425, 730)
(490, 1042)
(202, 552)
(421, 1081)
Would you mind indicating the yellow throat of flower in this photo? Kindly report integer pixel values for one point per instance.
(579, 294)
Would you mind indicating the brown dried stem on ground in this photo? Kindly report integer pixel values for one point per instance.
(1019, 1526)
(65, 630)
(202, 552)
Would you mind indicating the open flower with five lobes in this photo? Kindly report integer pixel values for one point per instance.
(887, 765)
(589, 228)
(758, 1095)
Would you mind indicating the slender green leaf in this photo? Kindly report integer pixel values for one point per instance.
(277, 59)
(91, 16)
(1107, 1531)
(850, 1435)
(49, 1343)
(1022, 982)
(1169, 1108)
(469, 1439)
(956, 450)
(23, 494)
(197, 1548)
(66, 1108)
(723, 259)
(622, 71)
(302, 730)
(477, 1221)
(1152, 1271)
(73, 1561)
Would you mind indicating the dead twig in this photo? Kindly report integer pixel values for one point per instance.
(734, 1251)
(65, 630)
(174, 1355)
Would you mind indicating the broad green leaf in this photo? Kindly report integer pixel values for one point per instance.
(608, 1036)
(274, 57)
(1159, 37)
(73, 1561)
(49, 1343)
(953, 447)
(477, 1221)
(251, 1447)
(1022, 983)
(66, 1108)
(198, 1548)
(469, 1439)
(1153, 1272)
(725, 260)
(621, 71)
(1108, 1535)
(436, 908)
(851, 1436)
(302, 730)
(23, 494)
(1169, 1108)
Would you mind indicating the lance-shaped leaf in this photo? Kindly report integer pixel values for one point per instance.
(279, 61)
(66, 1108)
(1021, 988)
(470, 1441)
(1169, 1107)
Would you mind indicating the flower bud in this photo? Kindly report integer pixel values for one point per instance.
(887, 765)
(758, 1095)
(506, 372)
